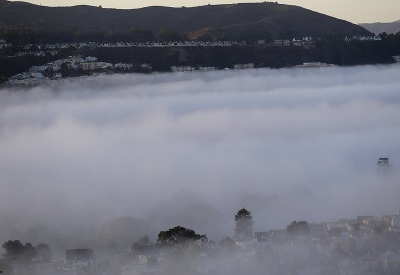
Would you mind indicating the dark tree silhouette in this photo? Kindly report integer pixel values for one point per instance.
(16, 251)
(179, 237)
(300, 228)
(13, 250)
(244, 226)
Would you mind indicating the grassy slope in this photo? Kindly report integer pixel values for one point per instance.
(280, 20)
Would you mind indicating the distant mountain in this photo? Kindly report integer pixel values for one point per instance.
(234, 21)
(378, 28)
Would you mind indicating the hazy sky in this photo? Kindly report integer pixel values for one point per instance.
(356, 11)
(192, 149)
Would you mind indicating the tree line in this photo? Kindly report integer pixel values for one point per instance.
(177, 243)
(23, 255)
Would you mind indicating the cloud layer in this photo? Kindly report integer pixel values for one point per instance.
(191, 149)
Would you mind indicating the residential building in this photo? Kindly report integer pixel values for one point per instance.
(182, 69)
(243, 66)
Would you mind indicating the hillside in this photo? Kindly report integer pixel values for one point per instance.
(378, 28)
(266, 19)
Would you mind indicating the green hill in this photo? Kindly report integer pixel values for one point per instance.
(263, 20)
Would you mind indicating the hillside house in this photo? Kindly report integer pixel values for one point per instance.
(314, 65)
(297, 43)
(37, 69)
(243, 66)
(90, 66)
(363, 38)
(37, 75)
(91, 59)
(282, 42)
(57, 75)
(55, 68)
(182, 69)
(207, 69)
(146, 67)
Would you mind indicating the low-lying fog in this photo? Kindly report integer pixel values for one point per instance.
(192, 149)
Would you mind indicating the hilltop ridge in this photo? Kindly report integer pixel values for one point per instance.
(378, 27)
(233, 21)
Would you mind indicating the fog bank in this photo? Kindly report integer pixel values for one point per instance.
(191, 149)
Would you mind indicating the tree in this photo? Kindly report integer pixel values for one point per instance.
(13, 250)
(383, 35)
(28, 254)
(178, 238)
(244, 226)
(16, 251)
(300, 228)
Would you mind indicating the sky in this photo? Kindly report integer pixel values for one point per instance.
(191, 149)
(355, 11)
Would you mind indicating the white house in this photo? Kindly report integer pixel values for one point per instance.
(91, 59)
(182, 68)
(89, 66)
(243, 66)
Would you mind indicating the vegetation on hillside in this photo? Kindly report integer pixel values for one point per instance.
(229, 22)
(332, 50)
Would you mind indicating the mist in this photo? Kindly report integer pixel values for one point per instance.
(192, 149)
